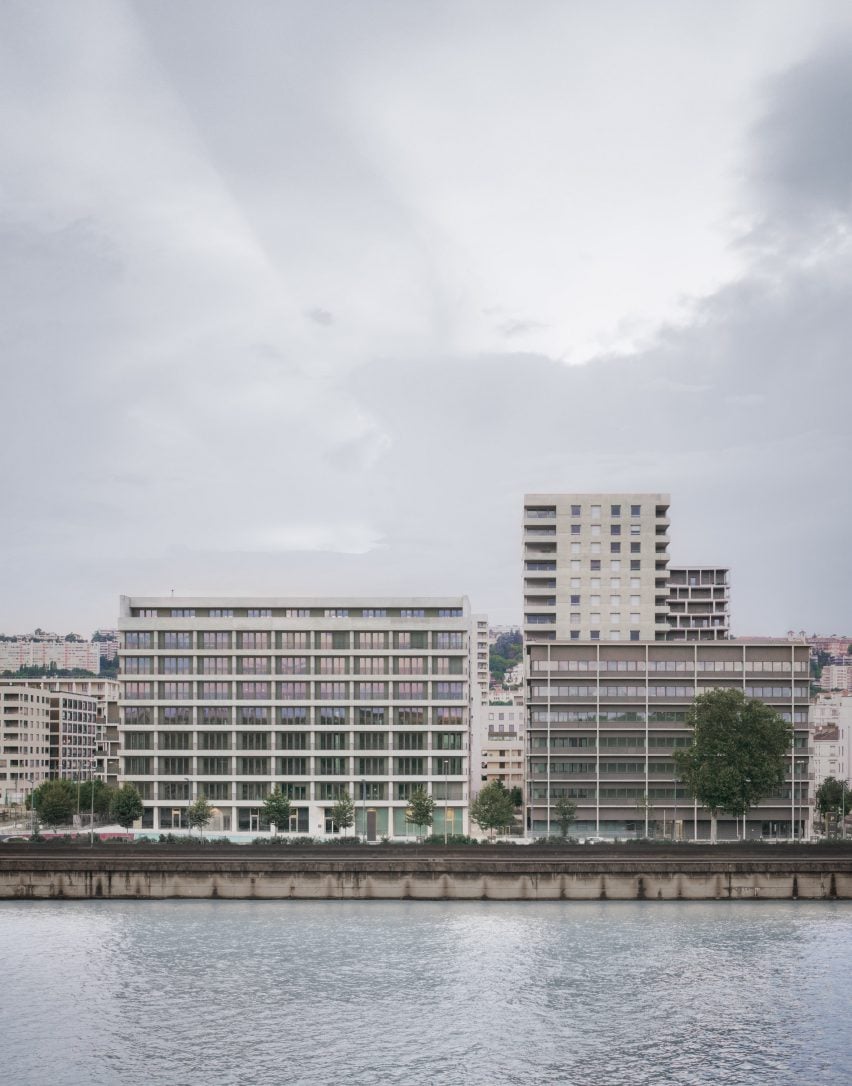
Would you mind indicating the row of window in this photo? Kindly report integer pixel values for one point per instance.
(374, 716)
(324, 791)
(633, 742)
(670, 665)
(292, 740)
(546, 512)
(300, 766)
(652, 691)
(603, 767)
(293, 665)
(337, 640)
(295, 691)
(296, 612)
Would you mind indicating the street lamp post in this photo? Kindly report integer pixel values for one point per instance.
(364, 806)
(188, 804)
(446, 796)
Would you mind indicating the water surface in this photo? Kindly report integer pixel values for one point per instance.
(598, 994)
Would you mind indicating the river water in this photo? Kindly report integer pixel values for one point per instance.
(593, 994)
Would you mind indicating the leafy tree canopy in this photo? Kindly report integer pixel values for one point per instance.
(493, 808)
(199, 813)
(833, 796)
(55, 802)
(126, 806)
(506, 651)
(739, 752)
(276, 808)
(565, 811)
(421, 808)
(343, 812)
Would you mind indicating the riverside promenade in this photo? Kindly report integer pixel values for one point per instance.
(54, 870)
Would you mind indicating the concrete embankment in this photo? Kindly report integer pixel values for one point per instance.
(528, 874)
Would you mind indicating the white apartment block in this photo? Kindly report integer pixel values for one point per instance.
(836, 677)
(502, 746)
(596, 567)
(60, 654)
(830, 721)
(24, 741)
(233, 697)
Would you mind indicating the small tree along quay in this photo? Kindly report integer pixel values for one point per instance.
(276, 808)
(55, 802)
(565, 811)
(833, 797)
(343, 812)
(739, 752)
(493, 808)
(126, 806)
(420, 811)
(102, 798)
(199, 813)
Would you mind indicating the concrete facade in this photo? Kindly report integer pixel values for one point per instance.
(698, 603)
(232, 697)
(61, 654)
(25, 741)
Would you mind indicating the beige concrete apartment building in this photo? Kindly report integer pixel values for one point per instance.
(233, 697)
(596, 567)
(25, 741)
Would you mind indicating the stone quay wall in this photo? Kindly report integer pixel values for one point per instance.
(376, 873)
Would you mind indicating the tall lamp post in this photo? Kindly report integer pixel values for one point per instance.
(446, 796)
(188, 804)
(364, 806)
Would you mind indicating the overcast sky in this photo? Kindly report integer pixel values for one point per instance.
(300, 298)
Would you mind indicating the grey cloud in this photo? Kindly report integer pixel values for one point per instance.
(519, 327)
(321, 316)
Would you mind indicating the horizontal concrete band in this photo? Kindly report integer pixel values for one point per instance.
(421, 878)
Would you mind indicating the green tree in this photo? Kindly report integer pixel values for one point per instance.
(833, 797)
(565, 811)
(199, 813)
(103, 797)
(738, 755)
(276, 808)
(420, 811)
(506, 651)
(517, 794)
(126, 806)
(55, 802)
(343, 812)
(493, 808)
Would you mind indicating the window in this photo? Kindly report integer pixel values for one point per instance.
(253, 639)
(136, 691)
(596, 529)
(214, 691)
(139, 639)
(292, 691)
(595, 564)
(615, 529)
(575, 529)
(292, 665)
(575, 565)
(337, 612)
(450, 640)
(147, 612)
(290, 715)
(411, 691)
(595, 617)
(371, 665)
(595, 582)
(254, 665)
(595, 635)
(615, 548)
(372, 717)
(615, 510)
(449, 715)
(449, 612)
(332, 716)
(253, 690)
(575, 510)
(575, 618)
(220, 612)
(214, 716)
(253, 715)
(575, 582)
(177, 665)
(295, 639)
(635, 565)
(412, 612)
(453, 691)
(594, 601)
(374, 612)
(177, 639)
(575, 601)
(138, 665)
(636, 510)
(635, 619)
(371, 691)
(575, 635)
(410, 665)
(297, 612)
(635, 582)
(414, 717)
(370, 639)
(183, 612)
(615, 565)
(211, 639)
(596, 512)
(575, 548)
(259, 612)
(177, 691)
(635, 548)
(614, 618)
(635, 529)
(615, 601)
(595, 548)
(332, 691)
(215, 665)
(331, 665)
